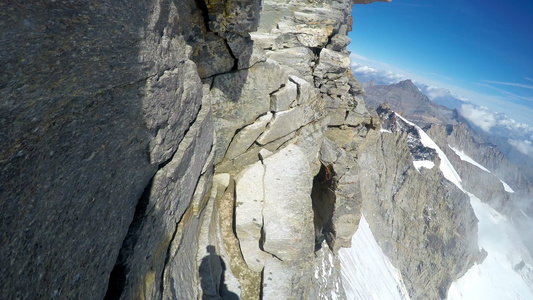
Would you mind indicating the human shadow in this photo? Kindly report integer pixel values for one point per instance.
(212, 281)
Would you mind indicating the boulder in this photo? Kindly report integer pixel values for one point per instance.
(284, 97)
(283, 123)
(249, 202)
(332, 62)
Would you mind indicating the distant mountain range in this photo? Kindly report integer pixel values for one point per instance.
(405, 98)
(461, 141)
(426, 105)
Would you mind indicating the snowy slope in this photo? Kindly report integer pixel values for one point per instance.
(507, 188)
(468, 159)
(366, 272)
(498, 276)
(423, 164)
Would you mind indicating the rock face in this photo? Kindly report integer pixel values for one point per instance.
(202, 149)
(486, 154)
(422, 221)
(95, 97)
(500, 183)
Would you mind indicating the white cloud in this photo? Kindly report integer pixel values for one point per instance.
(359, 57)
(365, 70)
(366, 73)
(513, 125)
(499, 124)
(434, 92)
(480, 116)
(510, 84)
(523, 146)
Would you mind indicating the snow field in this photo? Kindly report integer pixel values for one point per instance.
(366, 272)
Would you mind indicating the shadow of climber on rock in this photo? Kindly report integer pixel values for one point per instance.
(211, 272)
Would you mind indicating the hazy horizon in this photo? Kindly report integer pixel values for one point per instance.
(479, 51)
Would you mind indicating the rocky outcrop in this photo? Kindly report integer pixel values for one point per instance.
(486, 154)
(273, 147)
(96, 98)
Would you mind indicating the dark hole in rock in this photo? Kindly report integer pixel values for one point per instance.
(323, 197)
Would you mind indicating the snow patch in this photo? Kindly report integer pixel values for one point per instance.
(446, 166)
(423, 164)
(365, 270)
(506, 187)
(385, 130)
(468, 159)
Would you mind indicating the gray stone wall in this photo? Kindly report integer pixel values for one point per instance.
(95, 96)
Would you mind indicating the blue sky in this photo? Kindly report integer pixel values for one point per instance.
(481, 50)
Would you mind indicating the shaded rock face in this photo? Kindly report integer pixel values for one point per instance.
(480, 182)
(423, 222)
(324, 199)
(86, 121)
(167, 149)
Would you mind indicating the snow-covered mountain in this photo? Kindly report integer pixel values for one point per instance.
(423, 105)
(367, 273)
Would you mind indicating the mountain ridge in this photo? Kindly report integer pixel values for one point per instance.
(407, 99)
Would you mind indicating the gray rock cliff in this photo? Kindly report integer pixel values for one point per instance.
(422, 221)
(500, 183)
